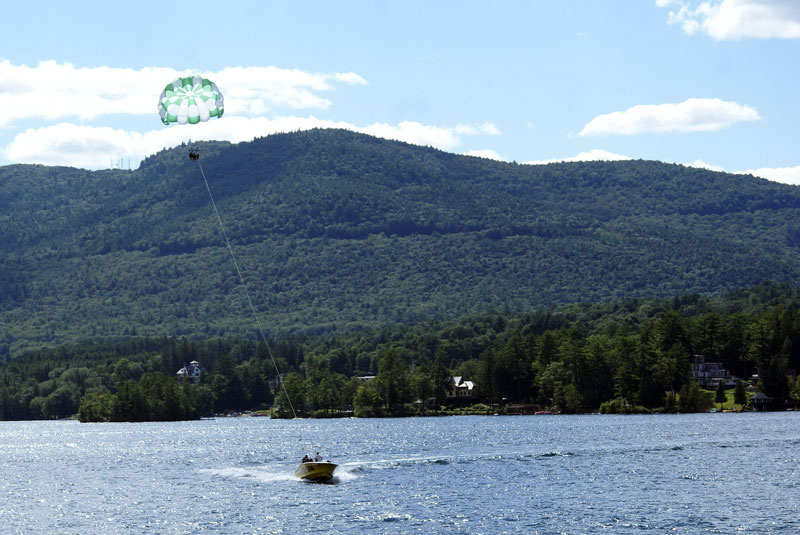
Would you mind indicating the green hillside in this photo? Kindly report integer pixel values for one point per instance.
(338, 231)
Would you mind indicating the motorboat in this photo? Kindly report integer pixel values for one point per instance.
(315, 471)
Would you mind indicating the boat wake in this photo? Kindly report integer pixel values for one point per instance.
(265, 473)
(272, 473)
(388, 464)
(555, 454)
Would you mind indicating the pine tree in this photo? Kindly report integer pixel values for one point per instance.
(739, 394)
(719, 395)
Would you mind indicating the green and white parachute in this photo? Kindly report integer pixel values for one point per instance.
(190, 100)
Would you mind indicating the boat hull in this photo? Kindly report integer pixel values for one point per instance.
(315, 471)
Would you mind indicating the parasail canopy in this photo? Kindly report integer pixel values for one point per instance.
(192, 99)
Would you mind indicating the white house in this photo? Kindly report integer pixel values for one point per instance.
(191, 372)
(709, 374)
(457, 388)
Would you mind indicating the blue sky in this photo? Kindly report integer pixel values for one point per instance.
(712, 83)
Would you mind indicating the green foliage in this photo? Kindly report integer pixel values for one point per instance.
(773, 380)
(367, 400)
(693, 399)
(795, 389)
(740, 394)
(621, 406)
(719, 395)
(290, 400)
(337, 231)
(392, 380)
(95, 406)
(615, 358)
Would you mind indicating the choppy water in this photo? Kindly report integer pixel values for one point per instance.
(710, 473)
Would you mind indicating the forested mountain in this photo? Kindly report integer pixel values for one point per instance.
(338, 231)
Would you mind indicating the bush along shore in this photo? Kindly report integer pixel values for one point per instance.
(628, 357)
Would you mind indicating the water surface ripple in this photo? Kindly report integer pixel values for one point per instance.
(705, 473)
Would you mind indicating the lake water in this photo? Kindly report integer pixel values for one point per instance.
(704, 473)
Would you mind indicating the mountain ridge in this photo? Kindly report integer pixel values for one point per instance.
(337, 231)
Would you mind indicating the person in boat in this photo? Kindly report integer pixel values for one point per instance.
(317, 458)
(306, 458)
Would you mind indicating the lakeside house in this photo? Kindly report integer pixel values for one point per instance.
(190, 372)
(709, 374)
(458, 389)
(761, 402)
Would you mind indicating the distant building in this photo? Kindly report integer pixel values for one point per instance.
(190, 372)
(458, 389)
(761, 402)
(709, 374)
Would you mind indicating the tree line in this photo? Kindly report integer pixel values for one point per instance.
(632, 356)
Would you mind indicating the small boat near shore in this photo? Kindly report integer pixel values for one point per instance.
(315, 471)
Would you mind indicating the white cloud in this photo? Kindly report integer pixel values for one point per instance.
(786, 175)
(587, 156)
(76, 145)
(255, 90)
(703, 165)
(416, 133)
(349, 78)
(692, 115)
(485, 153)
(95, 147)
(485, 128)
(489, 128)
(58, 91)
(75, 98)
(736, 19)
